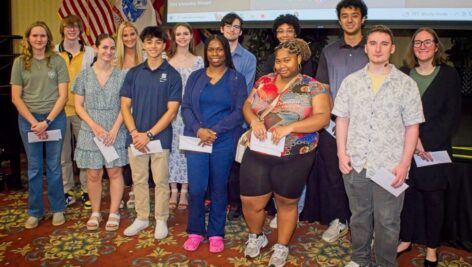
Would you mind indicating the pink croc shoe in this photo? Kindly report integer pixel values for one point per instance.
(216, 244)
(193, 242)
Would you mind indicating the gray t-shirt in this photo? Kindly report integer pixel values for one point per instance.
(40, 83)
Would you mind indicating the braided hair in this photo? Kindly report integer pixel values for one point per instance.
(297, 47)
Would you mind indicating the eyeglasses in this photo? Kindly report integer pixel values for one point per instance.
(71, 26)
(289, 31)
(234, 27)
(426, 43)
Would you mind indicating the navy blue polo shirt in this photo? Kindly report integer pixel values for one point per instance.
(150, 90)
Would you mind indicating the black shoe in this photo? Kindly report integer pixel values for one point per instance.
(85, 200)
(234, 214)
(408, 249)
(428, 263)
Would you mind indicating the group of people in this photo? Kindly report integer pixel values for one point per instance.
(123, 98)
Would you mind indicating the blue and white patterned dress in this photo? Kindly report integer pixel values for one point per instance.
(177, 161)
(103, 106)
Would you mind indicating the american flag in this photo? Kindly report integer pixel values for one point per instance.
(96, 16)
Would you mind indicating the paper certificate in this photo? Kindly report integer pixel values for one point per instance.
(53, 135)
(331, 128)
(108, 152)
(191, 143)
(267, 146)
(439, 157)
(153, 146)
(384, 178)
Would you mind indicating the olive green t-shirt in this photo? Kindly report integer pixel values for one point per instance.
(423, 81)
(40, 83)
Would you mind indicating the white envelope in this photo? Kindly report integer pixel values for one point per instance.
(331, 128)
(153, 146)
(53, 135)
(266, 146)
(191, 143)
(108, 152)
(384, 178)
(439, 157)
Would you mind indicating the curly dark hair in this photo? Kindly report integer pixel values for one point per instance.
(352, 3)
(289, 19)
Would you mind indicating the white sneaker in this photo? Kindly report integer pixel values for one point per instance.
(352, 264)
(279, 257)
(273, 222)
(254, 245)
(58, 218)
(136, 227)
(334, 231)
(130, 202)
(161, 231)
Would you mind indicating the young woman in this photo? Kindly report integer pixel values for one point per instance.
(39, 80)
(299, 106)
(439, 87)
(97, 103)
(128, 54)
(212, 111)
(128, 46)
(182, 57)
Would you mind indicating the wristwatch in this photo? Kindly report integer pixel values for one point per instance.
(149, 135)
(48, 121)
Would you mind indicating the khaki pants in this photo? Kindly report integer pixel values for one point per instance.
(72, 128)
(140, 174)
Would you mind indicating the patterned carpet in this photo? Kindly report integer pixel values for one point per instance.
(72, 245)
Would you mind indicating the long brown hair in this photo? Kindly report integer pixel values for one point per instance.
(120, 47)
(173, 44)
(439, 56)
(26, 49)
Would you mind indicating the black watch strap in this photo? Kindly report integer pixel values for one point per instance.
(149, 135)
(48, 121)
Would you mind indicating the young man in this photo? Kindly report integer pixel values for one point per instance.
(78, 57)
(150, 99)
(338, 60)
(245, 63)
(243, 60)
(378, 111)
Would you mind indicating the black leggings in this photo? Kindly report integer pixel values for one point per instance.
(286, 176)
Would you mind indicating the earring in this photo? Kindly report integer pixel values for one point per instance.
(299, 67)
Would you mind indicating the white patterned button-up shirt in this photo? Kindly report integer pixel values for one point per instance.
(376, 131)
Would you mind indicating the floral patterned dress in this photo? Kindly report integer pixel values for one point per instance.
(177, 161)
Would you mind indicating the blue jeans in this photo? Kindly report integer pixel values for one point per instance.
(34, 153)
(374, 210)
(209, 170)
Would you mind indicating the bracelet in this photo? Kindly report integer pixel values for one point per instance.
(132, 130)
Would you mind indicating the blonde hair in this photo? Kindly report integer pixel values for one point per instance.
(297, 47)
(120, 47)
(173, 45)
(27, 50)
